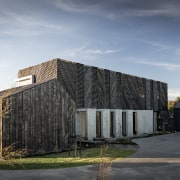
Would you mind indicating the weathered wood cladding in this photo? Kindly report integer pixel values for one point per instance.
(92, 87)
(99, 88)
(133, 90)
(163, 97)
(155, 96)
(43, 72)
(43, 119)
(149, 104)
(88, 103)
(107, 88)
(80, 86)
(115, 90)
(67, 72)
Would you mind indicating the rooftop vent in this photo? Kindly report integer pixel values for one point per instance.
(26, 80)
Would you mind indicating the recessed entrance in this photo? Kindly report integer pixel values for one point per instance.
(112, 125)
(134, 122)
(154, 121)
(124, 132)
(98, 124)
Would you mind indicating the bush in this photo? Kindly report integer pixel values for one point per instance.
(9, 152)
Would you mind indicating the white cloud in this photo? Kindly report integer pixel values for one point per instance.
(73, 53)
(171, 10)
(98, 51)
(158, 45)
(80, 54)
(36, 22)
(167, 10)
(84, 49)
(21, 32)
(120, 9)
(84, 53)
(77, 7)
(162, 47)
(23, 25)
(168, 66)
(173, 93)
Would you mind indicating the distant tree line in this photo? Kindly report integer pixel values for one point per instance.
(171, 105)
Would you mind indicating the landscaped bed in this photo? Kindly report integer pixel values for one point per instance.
(65, 159)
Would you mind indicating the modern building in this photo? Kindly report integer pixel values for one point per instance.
(58, 99)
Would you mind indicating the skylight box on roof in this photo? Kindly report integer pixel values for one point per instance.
(26, 80)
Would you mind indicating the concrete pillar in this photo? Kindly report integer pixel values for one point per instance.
(145, 121)
(149, 121)
(141, 122)
(130, 123)
(105, 119)
(118, 123)
(91, 123)
(78, 124)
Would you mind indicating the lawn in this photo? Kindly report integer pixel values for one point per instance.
(61, 160)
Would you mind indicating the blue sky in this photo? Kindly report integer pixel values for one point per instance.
(137, 37)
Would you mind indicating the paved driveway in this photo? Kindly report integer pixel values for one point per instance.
(157, 158)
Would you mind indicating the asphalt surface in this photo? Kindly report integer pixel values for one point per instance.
(157, 158)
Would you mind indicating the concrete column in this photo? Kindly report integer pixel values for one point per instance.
(149, 121)
(91, 123)
(118, 123)
(145, 121)
(105, 119)
(129, 123)
(141, 122)
(78, 124)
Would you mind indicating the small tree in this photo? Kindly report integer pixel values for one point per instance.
(5, 106)
(171, 105)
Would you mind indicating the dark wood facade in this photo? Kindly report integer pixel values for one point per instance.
(92, 87)
(42, 116)
(41, 119)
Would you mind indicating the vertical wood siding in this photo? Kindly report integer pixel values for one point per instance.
(115, 90)
(163, 97)
(88, 87)
(107, 89)
(80, 86)
(91, 87)
(100, 88)
(155, 96)
(134, 92)
(67, 76)
(43, 119)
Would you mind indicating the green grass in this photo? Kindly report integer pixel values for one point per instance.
(62, 160)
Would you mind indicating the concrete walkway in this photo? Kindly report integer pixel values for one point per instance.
(158, 158)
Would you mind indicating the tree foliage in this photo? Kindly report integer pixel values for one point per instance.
(5, 106)
(171, 104)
